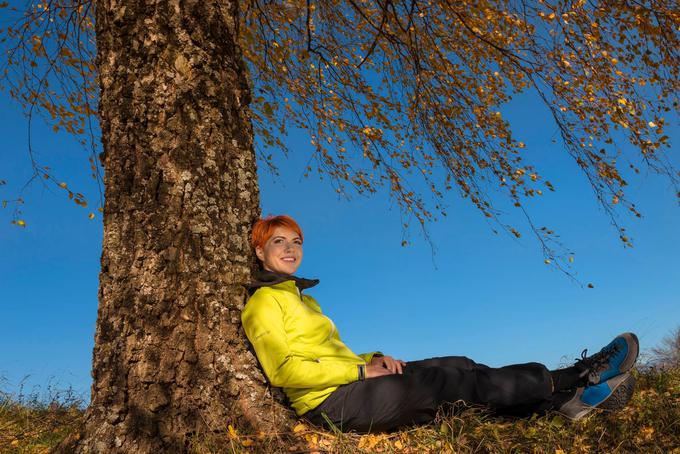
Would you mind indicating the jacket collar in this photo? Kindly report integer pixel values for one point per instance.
(264, 278)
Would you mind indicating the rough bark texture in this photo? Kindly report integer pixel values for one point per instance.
(170, 360)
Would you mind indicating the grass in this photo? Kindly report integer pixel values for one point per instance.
(650, 424)
(35, 422)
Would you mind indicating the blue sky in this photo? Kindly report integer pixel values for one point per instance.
(486, 296)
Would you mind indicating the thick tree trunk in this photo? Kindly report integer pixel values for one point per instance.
(170, 360)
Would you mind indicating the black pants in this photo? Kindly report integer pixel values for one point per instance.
(392, 401)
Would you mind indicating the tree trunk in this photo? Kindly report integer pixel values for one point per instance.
(170, 360)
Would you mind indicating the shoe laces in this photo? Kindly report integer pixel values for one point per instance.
(598, 360)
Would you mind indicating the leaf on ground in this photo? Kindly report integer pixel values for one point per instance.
(299, 428)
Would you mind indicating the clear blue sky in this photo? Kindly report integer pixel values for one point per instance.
(486, 296)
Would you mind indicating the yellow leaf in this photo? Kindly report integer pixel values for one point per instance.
(21, 223)
(62, 185)
(90, 216)
(651, 124)
(559, 451)
(247, 443)
(232, 432)
(299, 428)
(623, 101)
(370, 441)
(647, 432)
(312, 440)
(547, 261)
(398, 444)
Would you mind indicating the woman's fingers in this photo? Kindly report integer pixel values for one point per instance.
(399, 365)
(395, 366)
(388, 363)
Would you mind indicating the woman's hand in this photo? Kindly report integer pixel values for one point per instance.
(394, 366)
(373, 371)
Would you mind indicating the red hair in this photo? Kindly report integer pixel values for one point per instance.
(264, 229)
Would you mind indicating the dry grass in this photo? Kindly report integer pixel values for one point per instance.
(650, 424)
(36, 422)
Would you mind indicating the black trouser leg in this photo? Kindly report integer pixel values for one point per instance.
(391, 401)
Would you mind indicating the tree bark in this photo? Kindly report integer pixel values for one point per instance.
(170, 360)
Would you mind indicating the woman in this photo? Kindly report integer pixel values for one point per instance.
(300, 350)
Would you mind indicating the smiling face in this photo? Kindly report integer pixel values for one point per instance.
(282, 252)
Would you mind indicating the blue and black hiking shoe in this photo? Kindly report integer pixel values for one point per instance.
(617, 358)
(610, 395)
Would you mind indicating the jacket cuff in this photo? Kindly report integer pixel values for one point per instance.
(369, 356)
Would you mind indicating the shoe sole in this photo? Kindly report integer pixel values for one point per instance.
(621, 395)
(617, 400)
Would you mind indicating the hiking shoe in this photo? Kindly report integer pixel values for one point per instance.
(610, 395)
(618, 357)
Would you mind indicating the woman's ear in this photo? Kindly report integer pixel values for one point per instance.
(259, 252)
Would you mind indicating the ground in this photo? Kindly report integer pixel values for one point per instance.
(650, 423)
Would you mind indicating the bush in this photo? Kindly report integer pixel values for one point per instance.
(667, 355)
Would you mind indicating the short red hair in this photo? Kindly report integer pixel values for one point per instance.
(264, 229)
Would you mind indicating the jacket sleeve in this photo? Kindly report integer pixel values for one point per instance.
(262, 321)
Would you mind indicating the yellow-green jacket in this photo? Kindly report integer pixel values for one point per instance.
(298, 347)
